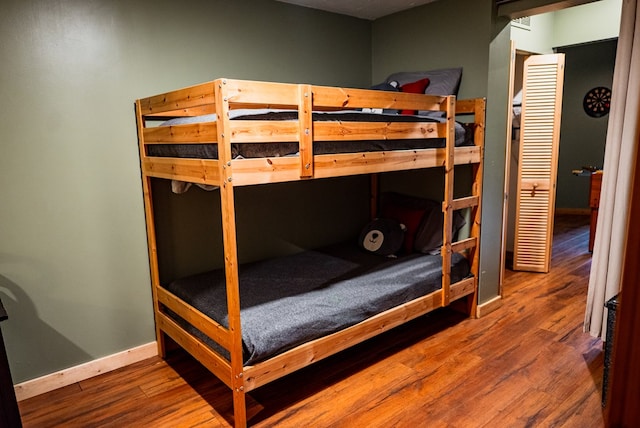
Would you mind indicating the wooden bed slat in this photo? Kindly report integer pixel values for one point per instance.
(201, 171)
(362, 131)
(323, 347)
(271, 131)
(265, 170)
(184, 112)
(260, 94)
(279, 169)
(348, 98)
(192, 133)
(187, 98)
(374, 162)
(205, 355)
(462, 288)
(276, 131)
(194, 317)
(466, 106)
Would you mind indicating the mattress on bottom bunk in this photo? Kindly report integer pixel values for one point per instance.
(290, 300)
(463, 136)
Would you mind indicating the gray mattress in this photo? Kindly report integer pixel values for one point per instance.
(290, 300)
(463, 136)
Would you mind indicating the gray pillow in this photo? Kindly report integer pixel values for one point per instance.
(444, 81)
(429, 234)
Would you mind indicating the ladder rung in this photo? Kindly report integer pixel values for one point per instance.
(465, 244)
(469, 201)
(462, 288)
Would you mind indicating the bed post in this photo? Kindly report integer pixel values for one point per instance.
(447, 204)
(151, 233)
(478, 171)
(230, 251)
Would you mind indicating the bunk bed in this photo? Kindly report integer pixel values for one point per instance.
(229, 133)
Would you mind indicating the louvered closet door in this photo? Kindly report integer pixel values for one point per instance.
(538, 161)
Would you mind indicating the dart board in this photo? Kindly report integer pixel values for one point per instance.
(597, 101)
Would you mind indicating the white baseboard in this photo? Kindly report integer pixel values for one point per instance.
(66, 377)
(487, 307)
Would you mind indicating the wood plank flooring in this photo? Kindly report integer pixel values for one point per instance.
(528, 364)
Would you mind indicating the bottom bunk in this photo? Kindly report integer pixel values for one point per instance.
(288, 301)
(295, 310)
(299, 309)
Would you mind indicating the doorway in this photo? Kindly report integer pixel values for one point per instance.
(582, 138)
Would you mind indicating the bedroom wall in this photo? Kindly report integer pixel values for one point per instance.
(73, 259)
(441, 34)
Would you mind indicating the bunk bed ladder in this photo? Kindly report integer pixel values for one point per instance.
(470, 245)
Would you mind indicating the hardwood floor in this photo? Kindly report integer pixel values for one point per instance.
(528, 364)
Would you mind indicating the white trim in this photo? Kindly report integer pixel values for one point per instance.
(66, 377)
(489, 306)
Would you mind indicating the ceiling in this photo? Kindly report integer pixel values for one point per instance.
(366, 9)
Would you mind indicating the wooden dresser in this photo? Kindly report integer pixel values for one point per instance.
(594, 204)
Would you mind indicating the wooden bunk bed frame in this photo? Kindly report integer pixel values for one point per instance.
(222, 95)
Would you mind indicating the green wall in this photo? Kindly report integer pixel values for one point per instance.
(495, 152)
(73, 259)
(442, 34)
(272, 219)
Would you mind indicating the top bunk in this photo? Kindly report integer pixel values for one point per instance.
(250, 132)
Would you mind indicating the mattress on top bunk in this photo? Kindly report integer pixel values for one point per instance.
(463, 135)
(290, 300)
